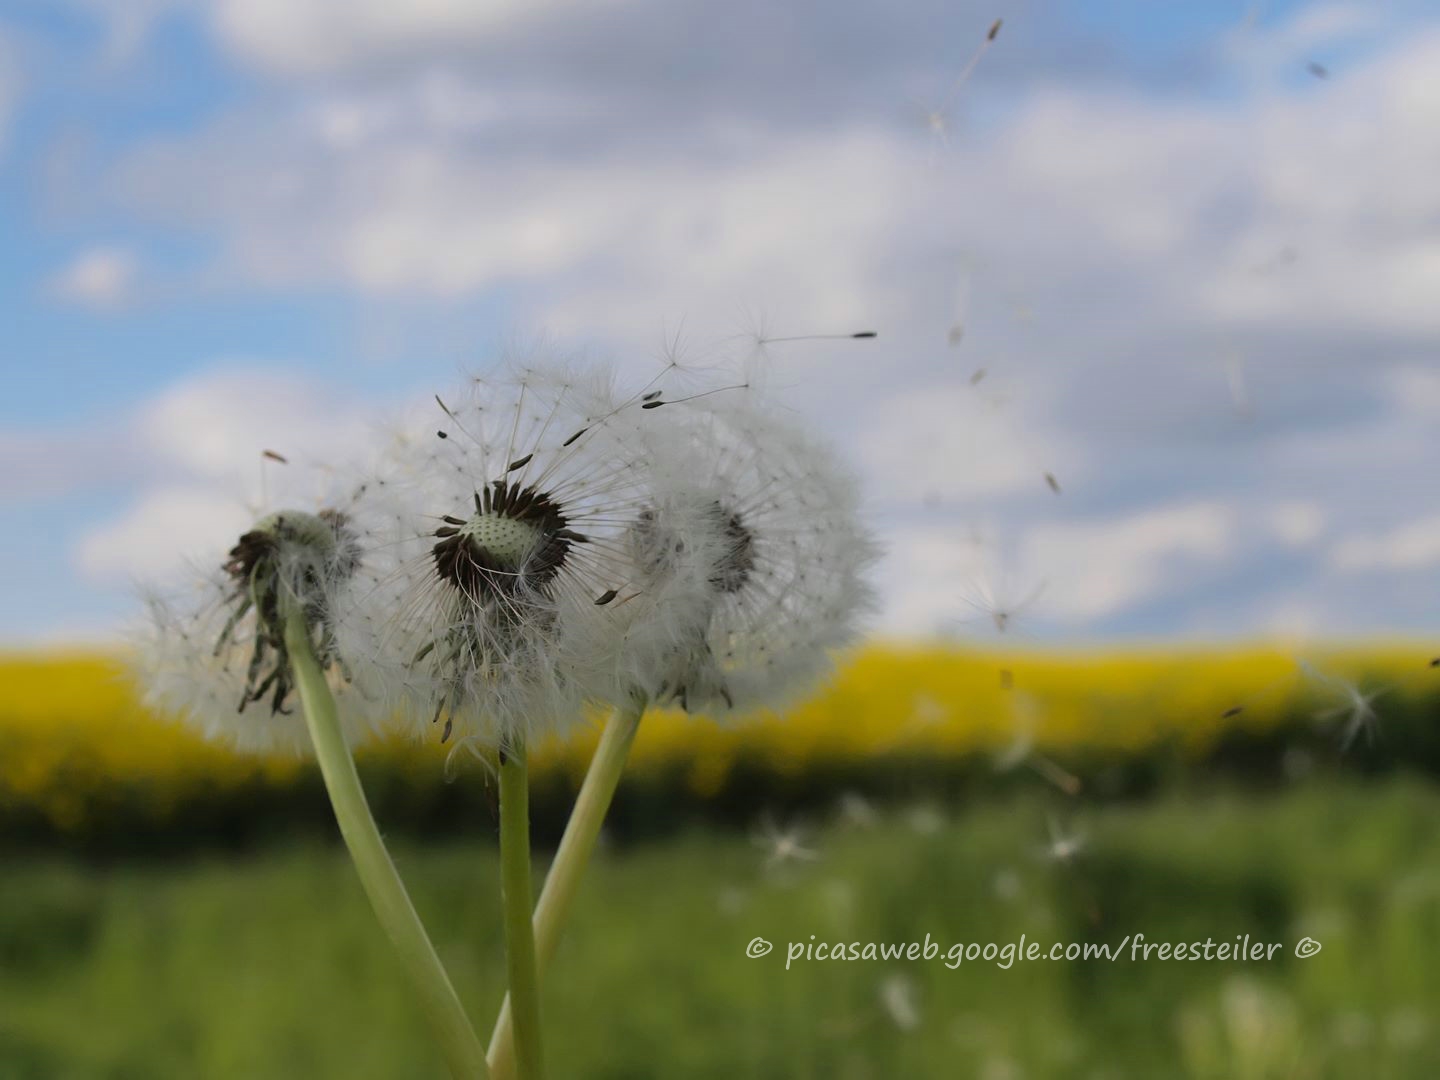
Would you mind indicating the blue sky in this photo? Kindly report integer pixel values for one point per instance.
(1144, 248)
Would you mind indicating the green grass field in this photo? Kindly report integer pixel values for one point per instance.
(269, 965)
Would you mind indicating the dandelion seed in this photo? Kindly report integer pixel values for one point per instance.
(1235, 379)
(859, 335)
(1296, 764)
(925, 819)
(897, 996)
(1063, 847)
(1021, 751)
(990, 602)
(857, 811)
(938, 119)
(1007, 885)
(1360, 716)
(1356, 707)
(782, 845)
(732, 901)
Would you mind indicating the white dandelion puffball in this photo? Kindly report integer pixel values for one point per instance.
(212, 650)
(522, 490)
(749, 561)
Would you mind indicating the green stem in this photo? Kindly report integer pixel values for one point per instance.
(563, 881)
(382, 883)
(515, 890)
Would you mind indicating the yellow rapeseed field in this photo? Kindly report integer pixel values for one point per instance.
(74, 739)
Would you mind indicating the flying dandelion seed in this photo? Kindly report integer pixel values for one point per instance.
(1296, 764)
(1235, 380)
(992, 604)
(940, 118)
(956, 334)
(1063, 847)
(857, 811)
(925, 819)
(782, 845)
(1356, 707)
(1007, 885)
(1021, 751)
(732, 901)
(898, 998)
(1360, 716)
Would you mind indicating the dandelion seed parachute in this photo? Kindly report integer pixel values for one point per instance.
(749, 560)
(211, 650)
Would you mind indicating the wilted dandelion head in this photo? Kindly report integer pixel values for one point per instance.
(749, 561)
(213, 649)
(520, 494)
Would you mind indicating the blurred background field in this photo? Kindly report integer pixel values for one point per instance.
(169, 909)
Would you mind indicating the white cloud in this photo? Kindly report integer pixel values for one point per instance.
(1099, 568)
(314, 36)
(448, 187)
(148, 540)
(954, 442)
(205, 437)
(101, 277)
(217, 423)
(1413, 546)
(1145, 229)
(937, 578)
(1296, 524)
(929, 579)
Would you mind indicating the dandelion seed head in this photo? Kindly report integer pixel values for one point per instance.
(750, 562)
(212, 650)
(504, 589)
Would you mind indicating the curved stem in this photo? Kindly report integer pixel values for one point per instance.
(458, 1042)
(515, 890)
(573, 855)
